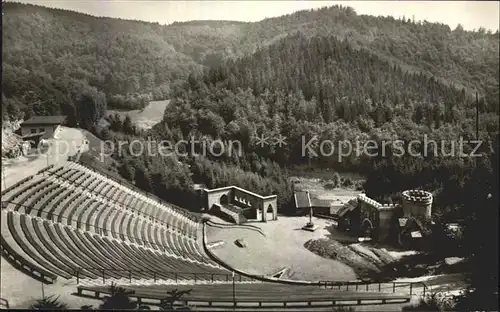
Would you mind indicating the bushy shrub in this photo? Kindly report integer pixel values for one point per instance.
(347, 182)
(432, 302)
(49, 303)
(329, 185)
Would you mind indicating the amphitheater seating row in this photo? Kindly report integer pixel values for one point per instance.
(29, 190)
(140, 194)
(62, 250)
(252, 292)
(19, 259)
(72, 201)
(16, 185)
(136, 201)
(76, 209)
(23, 188)
(45, 169)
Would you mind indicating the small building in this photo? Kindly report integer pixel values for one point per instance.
(239, 205)
(41, 127)
(321, 206)
(302, 202)
(346, 215)
(366, 217)
(412, 233)
(331, 207)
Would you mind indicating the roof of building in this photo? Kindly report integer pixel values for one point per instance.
(302, 199)
(416, 234)
(242, 190)
(33, 135)
(412, 224)
(349, 206)
(321, 203)
(45, 120)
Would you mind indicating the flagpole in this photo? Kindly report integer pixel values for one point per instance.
(234, 295)
(43, 291)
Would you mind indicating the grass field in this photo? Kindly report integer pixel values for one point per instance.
(316, 188)
(147, 117)
(318, 173)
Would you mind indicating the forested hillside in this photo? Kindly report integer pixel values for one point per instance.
(61, 61)
(327, 72)
(51, 57)
(302, 88)
(336, 75)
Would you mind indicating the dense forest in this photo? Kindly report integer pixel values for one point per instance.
(321, 87)
(327, 73)
(54, 61)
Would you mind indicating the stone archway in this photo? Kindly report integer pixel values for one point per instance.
(269, 206)
(270, 209)
(367, 228)
(224, 200)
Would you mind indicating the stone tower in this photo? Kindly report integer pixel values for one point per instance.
(417, 203)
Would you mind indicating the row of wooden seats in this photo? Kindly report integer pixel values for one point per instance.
(17, 257)
(139, 195)
(129, 200)
(179, 245)
(260, 292)
(63, 250)
(55, 202)
(56, 198)
(16, 185)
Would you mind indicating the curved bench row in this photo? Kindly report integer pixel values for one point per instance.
(20, 261)
(16, 185)
(69, 196)
(254, 296)
(150, 199)
(144, 195)
(63, 251)
(130, 199)
(74, 208)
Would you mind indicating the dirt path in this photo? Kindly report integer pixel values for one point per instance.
(65, 143)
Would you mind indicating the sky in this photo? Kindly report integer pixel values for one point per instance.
(471, 14)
